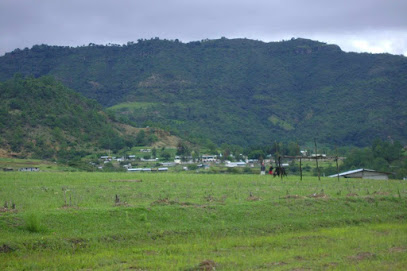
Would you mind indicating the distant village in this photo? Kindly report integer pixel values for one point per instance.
(136, 163)
(144, 162)
(203, 162)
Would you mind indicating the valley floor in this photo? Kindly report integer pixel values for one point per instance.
(122, 221)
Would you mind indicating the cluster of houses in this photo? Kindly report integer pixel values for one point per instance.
(160, 169)
(205, 161)
(26, 169)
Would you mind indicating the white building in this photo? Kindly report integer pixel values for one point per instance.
(235, 164)
(363, 173)
(209, 158)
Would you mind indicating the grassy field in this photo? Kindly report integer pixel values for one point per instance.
(164, 221)
(16, 163)
(132, 106)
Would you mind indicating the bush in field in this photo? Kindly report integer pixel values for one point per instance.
(33, 223)
(232, 170)
(193, 167)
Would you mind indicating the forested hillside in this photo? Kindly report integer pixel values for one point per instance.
(238, 91)
(41, 118)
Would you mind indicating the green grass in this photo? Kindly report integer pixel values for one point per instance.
(132, 106)
(70, 221)
(43, 165)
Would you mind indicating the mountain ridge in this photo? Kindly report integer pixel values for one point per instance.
(236, 91)
(41, 118)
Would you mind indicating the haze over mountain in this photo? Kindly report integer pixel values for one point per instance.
(236, 91)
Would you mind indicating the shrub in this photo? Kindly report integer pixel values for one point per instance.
(33, 223)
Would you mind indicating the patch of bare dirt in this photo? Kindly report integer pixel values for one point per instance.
(277, 264)
(118, 204)
(6, 249)
(397, 249)
(352, 195)
(166, 141)
(253, 198)
(4, 153)
(362, 256)
(271, 266)
(150, 252)
(7, 210)
(136, 268)
(210, 198)
(381, 233)
(329, 265)
(319, 196)
(293, 197)
(207, 265)
(77, 242)
(382, 193)
(164, 201)
(370, 199)
(190, 204)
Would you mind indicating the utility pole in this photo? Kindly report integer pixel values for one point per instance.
(279, 165)
(316, 158)
(299, 154)
(336, 159)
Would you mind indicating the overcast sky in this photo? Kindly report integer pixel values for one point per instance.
(355, 25)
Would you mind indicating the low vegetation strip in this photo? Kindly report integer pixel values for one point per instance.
(192, 222)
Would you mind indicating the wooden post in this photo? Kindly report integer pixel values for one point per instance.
(316, 159)
(276, 155)
(279, 165)
(64, 190)
(299, 154)
(336, 159)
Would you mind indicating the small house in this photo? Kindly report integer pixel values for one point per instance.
(209, 158)
(168, 164)
(135, 169)
(235, 164)
(363, 173)
(31, 169)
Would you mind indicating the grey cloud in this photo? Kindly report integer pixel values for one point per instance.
(28, 22)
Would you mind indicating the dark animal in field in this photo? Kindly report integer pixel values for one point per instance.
(279, 171)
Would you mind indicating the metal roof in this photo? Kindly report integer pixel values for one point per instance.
(355, 171)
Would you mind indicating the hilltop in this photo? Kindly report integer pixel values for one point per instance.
(41, 118)
(238, 91)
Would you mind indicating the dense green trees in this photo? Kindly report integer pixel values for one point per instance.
(240, 92)
(385, 156)
(44, 119)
